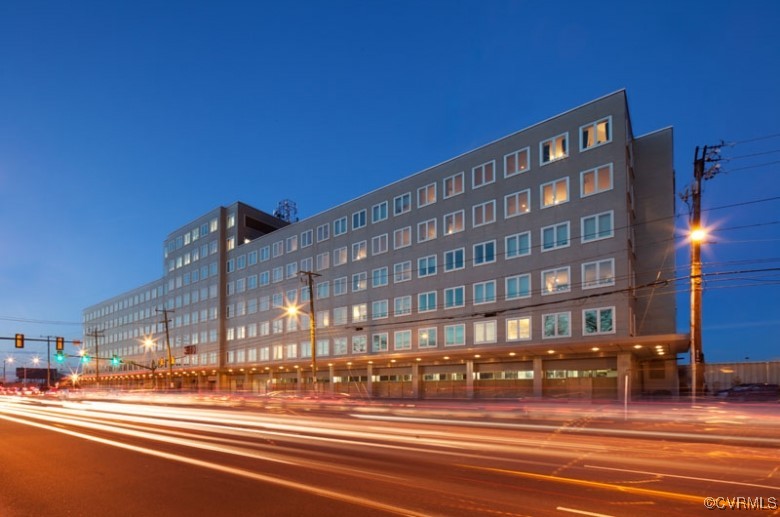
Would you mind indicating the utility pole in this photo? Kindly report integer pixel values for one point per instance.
(309, 279)
(95, 333)
(697, 236)
(168, 344)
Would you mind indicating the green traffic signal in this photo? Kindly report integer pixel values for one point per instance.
(115, 361)
(85, 358)
(60, 357)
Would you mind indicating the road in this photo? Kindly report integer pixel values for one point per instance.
(97, 458)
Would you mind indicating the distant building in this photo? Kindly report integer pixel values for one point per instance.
(538, 265)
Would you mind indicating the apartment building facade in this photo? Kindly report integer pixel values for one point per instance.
(538, 265)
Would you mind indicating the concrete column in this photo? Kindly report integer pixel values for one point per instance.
(331, 374)
(299, 384)
(369, 382)
(538, 377)
(625, 375)
(415, 381)
(470, 379)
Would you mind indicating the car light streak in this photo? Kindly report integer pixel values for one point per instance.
(327, 493)
(594, 484)
(692, 478)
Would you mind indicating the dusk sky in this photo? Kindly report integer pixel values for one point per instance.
(122, 121)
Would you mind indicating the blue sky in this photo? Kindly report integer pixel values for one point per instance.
(122, 121)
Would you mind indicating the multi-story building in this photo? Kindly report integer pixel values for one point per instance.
(537, 265)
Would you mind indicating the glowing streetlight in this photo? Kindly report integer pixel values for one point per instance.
(697, 236)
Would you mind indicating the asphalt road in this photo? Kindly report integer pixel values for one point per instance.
(96, 458)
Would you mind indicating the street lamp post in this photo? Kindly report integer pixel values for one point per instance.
(309, 276)
(5, 361)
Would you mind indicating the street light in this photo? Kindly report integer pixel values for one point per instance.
(149, 345)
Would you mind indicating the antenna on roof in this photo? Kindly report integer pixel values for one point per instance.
(287, 210)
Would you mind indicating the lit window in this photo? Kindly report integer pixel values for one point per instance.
(516, 162)
(454, 222)
(596, 134)
(484, 332)
(596, 180)
(553, 149)
(518, 329)
(556, 280)
(359, 312)
(359, 250)
(426, 195)
(555, 192)
(518, 203)
(598, 321)
(426, 337)
(340, 256)
(292, 243)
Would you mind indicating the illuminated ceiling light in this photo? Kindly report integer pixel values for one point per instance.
(477, 356)
(512, 354)
(418, 359)
(349, 363)
(551, 351)
(637, 346)
(392, 360)
(446, 358)
(595, 349)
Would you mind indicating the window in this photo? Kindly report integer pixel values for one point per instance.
(426, 195)
(518, 329)
(426, 302)
(555, 236)
(340, 316)
(557, 324)
(358, 344)
(453, 185)
(402, 203)
(598, 274)
(426, 337)
(379, 309)
(518, 245)
(402, 340)
(277, 274)
(596, 134)
(291, 270)
(597, 227)
(454, 259)
(553, 149)
(598, 321)
(359, 281)
(516, 162)
(359, 312)
(402, 238)
(555, 192)
(484, 213)
(340, 286)
(379, 342)
(426, 266)
(484, 253)
(379, 277)
(596, 180)
(426, 230)
(323, 261)
(379, 244)
(453, 297)
(454, 335)
(306, 239)
(278, 249)
(402, 272)
(379, 212)
(484, 332)
(516, 204)
(340, 226)
(454, 222)
(402, 305)
(556, 280)
(323, 232)
(323, 290)
(340, 256)
(484, 174)
(517, 286)
(292, 243)
(485, 292)
(359, 219)
(359, 250)
(339, 346)
(265, 253)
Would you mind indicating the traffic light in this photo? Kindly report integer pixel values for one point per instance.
(19, 341)
(115, 360)
(85, 358)
(60, 344)
(60, 357)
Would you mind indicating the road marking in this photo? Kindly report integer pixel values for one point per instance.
(583, 512)
(693, 478)
(328, 493)
(592, 484)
